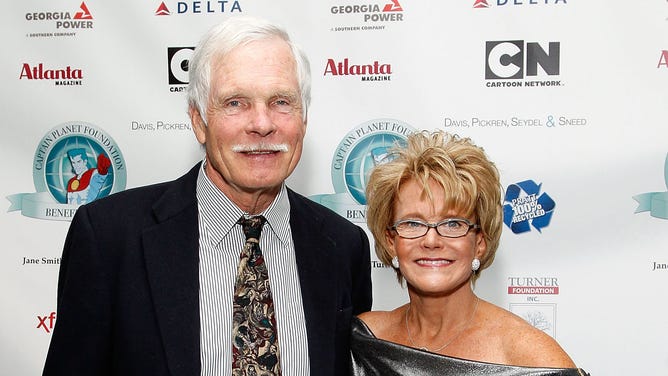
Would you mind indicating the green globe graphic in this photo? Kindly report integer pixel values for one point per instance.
(369, 152)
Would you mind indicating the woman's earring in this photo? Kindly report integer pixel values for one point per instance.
(475, 265)
(395, 262)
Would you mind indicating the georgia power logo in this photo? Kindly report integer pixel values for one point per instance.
(525, 206)
(65, 23)
(656, 203)
(364, 147)
(75, 163)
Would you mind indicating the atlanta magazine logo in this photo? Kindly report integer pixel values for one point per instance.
(75, 163)
(525, 207)
(60, 23)
(663, 59)
(656, 203)
(375, 71)
(364, 147)
(60, 76)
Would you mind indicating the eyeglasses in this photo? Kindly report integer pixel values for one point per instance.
(449, 227)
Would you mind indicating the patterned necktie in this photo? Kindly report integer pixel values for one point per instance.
(254, 335)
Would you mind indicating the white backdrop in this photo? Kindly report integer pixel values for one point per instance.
(568, 97)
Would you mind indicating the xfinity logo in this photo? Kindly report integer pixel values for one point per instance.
(517, 59)
(46, 322)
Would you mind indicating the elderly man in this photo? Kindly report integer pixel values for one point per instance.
(224, 270)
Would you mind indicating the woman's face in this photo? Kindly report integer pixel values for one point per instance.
(432, 264)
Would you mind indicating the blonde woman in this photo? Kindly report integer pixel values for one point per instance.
(436, 217)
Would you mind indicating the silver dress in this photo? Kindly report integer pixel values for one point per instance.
(373, 356)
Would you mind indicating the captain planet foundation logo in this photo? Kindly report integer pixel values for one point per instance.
(75, 163)
(367, 145)
(656, 203)
(525, 207)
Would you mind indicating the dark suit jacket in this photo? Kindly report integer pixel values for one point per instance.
(128, 299)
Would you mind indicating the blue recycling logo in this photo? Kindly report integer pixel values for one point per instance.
(525, 207)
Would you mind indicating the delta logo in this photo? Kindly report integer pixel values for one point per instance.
(375, 71)
(67, 76)
(198, 7)
(479, 4)
(64, 20)
(384, 12)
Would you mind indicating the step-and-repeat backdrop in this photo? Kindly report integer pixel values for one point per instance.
(569, 97)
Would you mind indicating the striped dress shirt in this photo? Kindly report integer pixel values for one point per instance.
(220, 242)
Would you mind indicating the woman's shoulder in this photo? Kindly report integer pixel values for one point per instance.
(522, 343)
(383, 324)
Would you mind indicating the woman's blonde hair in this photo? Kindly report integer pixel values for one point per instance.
(469, 179)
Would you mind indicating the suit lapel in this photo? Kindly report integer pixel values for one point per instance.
(315, 257)
(171, 251)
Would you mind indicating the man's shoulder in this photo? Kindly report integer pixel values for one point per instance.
(142, 196)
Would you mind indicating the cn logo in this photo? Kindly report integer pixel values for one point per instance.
(177, 60)
(46, 322)
(513, 59)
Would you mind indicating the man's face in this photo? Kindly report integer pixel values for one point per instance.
(255, 120)
(78, 164)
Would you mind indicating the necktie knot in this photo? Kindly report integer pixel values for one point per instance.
(252, 226)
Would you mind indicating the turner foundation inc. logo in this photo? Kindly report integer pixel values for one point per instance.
(75, 163)
(540, 315)
(366, 146)
(525, 207)
(656, 203)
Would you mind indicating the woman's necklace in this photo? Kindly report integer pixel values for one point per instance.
(410, 337)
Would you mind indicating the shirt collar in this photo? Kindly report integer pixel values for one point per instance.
(220, 214)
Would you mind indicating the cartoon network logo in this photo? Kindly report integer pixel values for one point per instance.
(375, 71)
(178, 60)
(519, 60)
(61, 76)
(486, 4)
(387, 12)
(199, 7)
(82, 19)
